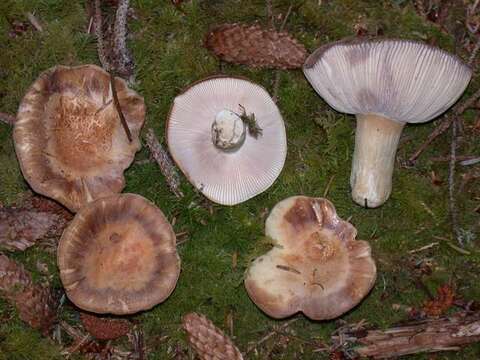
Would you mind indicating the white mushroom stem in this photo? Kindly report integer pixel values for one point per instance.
(376, 142)
(228, 131)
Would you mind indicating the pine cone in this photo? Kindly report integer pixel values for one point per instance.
(104, 328)
(22, 226)
(34, 302)
(254, 46)
(209, 342)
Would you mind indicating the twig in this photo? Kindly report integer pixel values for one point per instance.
(452, 246)
(289, 11)
(468, 162)
(122, 56)
(164, 162)
(329, 184)
(78, 345)
(270, 334)
(447, 158)
(474, 53)
(445, 124)
(119, 109)
(451, 185)
(7, 118)
(99, 35)
(423, 248)
(35, 22)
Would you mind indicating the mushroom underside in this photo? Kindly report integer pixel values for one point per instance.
(68, 138)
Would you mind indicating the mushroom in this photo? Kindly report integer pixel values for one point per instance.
(68, 136)
(118, 256)
(228, 137)
(386, 84)
(316, 266)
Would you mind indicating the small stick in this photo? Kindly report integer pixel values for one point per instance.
(468, 162)
(79, 344)
(99, 35)
(119, 39)
(447, 158)
(327, 188)
(7, 118)
(289, 11)
(474, 53)
(452, 246)
(35, 22)
(164, 162)
(423, 248)
(445, 124)
(451, 185)
(119, 109)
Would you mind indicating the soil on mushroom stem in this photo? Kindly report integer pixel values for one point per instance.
(165, 45)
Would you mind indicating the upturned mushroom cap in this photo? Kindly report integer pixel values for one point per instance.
(210, 142)
(316, 266)
(69, 139)
(402, 80)
(118, 256)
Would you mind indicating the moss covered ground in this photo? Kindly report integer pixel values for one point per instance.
(167, 47)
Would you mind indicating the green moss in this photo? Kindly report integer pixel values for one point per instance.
(167, 47)
(17, 342)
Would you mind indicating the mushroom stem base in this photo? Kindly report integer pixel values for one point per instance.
(376, 142)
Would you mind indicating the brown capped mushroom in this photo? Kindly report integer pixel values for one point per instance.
(386, 83)
(118, 256)
(316, 266)
(68, 136)
(228, 137)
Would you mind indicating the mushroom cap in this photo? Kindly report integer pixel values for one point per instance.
(118, 256)
(69, 139)
(316, 266)
(226, 177)
(402, 80)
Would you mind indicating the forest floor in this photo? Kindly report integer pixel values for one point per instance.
(167, 44)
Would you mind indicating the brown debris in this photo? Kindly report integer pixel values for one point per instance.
(255, 46)
(209, 341)
(35, 219)
(431, 335)
(441, 303)
(164, 161)
(34, 303)
(104, 328)
(18, 28)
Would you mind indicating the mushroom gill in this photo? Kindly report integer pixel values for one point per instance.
(68, 137)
